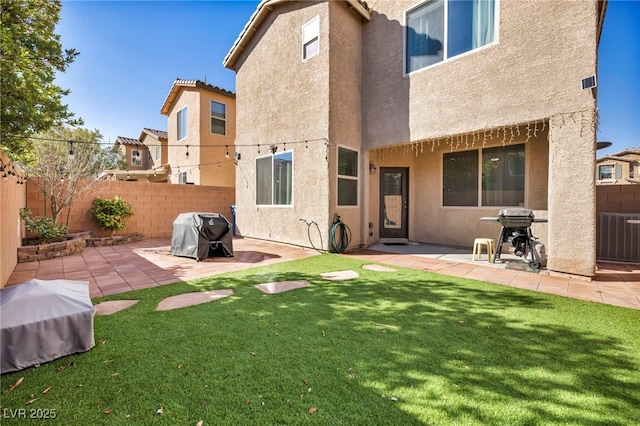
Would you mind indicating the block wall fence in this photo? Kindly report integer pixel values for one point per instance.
(155, 205)
(12, 199)
(618, 198)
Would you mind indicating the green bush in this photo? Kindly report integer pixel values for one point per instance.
(111, 214)
(45, 227)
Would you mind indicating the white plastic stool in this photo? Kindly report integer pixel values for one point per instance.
(477, 248)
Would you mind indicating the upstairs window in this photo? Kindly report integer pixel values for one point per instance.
(182, 123)
(158, 152)
(218, 118)
(441, 29)
(136, 158)
(347, 177)
(310, 38)
(274, 179)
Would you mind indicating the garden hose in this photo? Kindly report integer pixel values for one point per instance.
(319, 250)
(339, 235)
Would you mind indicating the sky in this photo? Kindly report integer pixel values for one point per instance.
(132, 51)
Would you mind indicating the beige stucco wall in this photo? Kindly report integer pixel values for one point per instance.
(345, 95)
(12, 199)
(429, 221)
(282, 99)
(206, 163)
(530, 74)
(543, 50)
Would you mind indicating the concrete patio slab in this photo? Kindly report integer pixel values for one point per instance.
(113, 306)
(190, 299)
(281, 287)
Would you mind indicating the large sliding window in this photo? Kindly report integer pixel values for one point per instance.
(182, 123)
(347, 177)
(501, 173)
(274, 179)
(441, 29)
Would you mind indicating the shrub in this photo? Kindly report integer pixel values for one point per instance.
(111, 214)
(48, 229)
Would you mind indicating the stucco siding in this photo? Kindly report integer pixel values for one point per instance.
(177, 149)
(215, 169)
(533, 70)
(283, 101)
(345, 94)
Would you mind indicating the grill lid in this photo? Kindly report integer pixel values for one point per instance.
(524, 213)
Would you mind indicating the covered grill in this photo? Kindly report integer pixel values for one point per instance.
(201, 235)
(516, 230)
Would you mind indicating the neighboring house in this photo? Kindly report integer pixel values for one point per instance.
(410, 127)
(202, 130)
(145, 157)
(621, 168)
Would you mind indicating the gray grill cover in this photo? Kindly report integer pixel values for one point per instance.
(194, 233)
(44, 320)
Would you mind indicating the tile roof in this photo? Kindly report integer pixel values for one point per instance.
(160, 134)
(180, 83)
(121, 140)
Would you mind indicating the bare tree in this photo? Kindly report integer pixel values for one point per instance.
(66, 165)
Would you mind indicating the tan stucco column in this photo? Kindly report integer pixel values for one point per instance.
(572, 198)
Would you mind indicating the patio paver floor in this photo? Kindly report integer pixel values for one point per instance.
(149, 263)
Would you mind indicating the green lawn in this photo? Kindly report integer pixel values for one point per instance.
(408, 347)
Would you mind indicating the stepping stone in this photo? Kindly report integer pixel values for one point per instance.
(378, 268)
(190, 299)
(340, 275)
(282, 286)
(113, 306)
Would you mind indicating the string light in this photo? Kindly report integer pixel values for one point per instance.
(187, 153)
(71, 157)
(226, 154)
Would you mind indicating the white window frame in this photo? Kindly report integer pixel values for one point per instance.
(223, 119)
(446, 58)
(158, 152)
(273, 186)
(182, 177)
(182, 123)
(355, 178)
(310, 35)
(136, 157)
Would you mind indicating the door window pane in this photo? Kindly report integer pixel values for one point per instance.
(393, 200)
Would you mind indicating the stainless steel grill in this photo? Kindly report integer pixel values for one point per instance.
(516, 231)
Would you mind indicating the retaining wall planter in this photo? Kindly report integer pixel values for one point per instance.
(115, 240)
(73, 244)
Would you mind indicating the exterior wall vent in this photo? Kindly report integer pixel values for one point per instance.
(589, 82)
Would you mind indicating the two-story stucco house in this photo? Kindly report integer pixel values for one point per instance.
(201, 133)
(413, 119)
(621, 168)
(145, 157)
